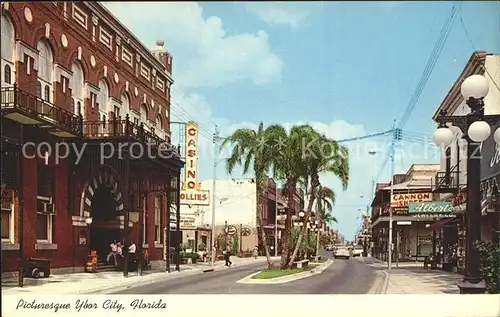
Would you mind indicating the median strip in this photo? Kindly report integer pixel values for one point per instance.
(278, 276)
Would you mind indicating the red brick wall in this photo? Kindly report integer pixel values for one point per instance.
(77, 37)
(69, 252)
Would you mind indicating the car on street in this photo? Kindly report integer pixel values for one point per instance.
(329, 247)
(357, 251)
(342, 252)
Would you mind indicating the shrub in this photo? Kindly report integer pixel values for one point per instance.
(490, 265)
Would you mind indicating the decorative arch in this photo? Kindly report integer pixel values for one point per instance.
(126, 103)
(159, 120)
(73, 57)
(15, 19)
(8, 28)
(100, 98)
(39, 35)
(144, 112)
(104, 176)
(111, 83)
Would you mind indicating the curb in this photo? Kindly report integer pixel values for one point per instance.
(285, 279)
(168, 276)
(381, 283)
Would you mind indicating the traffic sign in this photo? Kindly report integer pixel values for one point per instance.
(246, 232)
(230, 230)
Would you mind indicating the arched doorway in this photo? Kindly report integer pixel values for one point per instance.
(105, 227)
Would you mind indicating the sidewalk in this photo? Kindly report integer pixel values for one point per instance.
(95, 283)
(412, 278)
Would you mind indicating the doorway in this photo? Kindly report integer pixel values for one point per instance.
(105, 227)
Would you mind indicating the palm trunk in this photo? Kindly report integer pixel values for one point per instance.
(261, 234)
(286, 238)
(314, 185)
(319, 231)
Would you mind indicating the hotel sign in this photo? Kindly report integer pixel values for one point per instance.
(438, 207)
(402, 200)
(191, 194)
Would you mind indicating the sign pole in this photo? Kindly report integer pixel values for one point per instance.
(389, 256)
(214, 181)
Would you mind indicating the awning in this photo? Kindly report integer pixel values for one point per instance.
(441, 223)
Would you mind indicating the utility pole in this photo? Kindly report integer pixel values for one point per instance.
(215, 143)
(395, 137)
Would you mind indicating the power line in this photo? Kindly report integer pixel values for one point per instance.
(431, 63)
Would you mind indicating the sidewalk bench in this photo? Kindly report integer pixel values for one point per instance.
(300, 264)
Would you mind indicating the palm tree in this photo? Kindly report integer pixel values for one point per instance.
(289, 165)
(325, 199)
(251, 148)
(335, 161)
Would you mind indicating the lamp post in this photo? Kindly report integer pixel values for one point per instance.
(476, 129)
(299, 223)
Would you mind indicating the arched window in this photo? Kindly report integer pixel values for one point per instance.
(125, 105)
(39, 89)
(7, 74)
(7, 39)
(77, 85)
(159, 124)
(103, 97)
(46, 93)
(144, 114)
(45, 64)
(45, 61)
(7, 50)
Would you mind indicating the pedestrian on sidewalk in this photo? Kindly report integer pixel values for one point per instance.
(255, 252)
(227, 257)
(113, 253)
(131, 253)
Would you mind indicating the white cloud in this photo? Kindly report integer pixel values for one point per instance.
(204, 54)
(291, 14)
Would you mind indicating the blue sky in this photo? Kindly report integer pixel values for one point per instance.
(348, 68)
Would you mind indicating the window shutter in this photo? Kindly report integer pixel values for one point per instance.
(9, 168)
(45, 181)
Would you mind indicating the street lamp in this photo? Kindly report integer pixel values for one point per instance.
(476, 129)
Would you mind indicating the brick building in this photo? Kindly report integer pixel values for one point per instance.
(72, 73)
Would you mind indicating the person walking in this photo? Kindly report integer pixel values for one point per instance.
(255, 252)
(112, 254)
(227, 257)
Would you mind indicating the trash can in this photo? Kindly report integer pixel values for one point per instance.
(36, 267)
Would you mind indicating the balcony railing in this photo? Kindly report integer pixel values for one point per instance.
(26, 108)
(119, 129)
(446, 182)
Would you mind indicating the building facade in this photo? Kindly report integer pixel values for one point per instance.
(82, 100)
(451, 180)
(414, 235)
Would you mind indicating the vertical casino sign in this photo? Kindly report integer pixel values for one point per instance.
(191, 193)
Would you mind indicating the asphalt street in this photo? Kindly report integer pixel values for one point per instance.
(342, 277)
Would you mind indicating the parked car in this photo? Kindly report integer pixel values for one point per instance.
(357, 251)
(329, 247)
(342, 252)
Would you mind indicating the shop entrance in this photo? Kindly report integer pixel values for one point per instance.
(105, 227)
